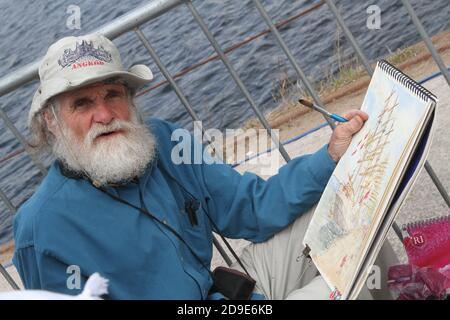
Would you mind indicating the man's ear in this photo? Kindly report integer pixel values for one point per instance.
(50, 120)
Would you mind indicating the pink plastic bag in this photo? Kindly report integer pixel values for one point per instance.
(427, 276)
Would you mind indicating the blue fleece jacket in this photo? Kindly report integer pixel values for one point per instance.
(68, 222)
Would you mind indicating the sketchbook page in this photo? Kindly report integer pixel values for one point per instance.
(349, 207)
(413, 170)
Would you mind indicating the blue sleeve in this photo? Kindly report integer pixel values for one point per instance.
(41, 271)
(246, 206)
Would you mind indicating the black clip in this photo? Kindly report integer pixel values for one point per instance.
(306, 251)
(191, 208)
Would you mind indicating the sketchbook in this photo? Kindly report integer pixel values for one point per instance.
(371, 180)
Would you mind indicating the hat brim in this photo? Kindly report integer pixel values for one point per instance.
(135, 77)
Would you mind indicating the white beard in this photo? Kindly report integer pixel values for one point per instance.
(114, 159)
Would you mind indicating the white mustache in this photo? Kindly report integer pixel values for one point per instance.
(99, 129)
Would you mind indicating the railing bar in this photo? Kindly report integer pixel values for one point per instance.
(167, 75)
(186, 104)
(8, 202)
(111, 30)
(437, 183)
(174, 85)
(12, 155)
(23, 141)
(238, 81)
(437, 58)
(397, 231)
(233, 47)
(350, 37)
(291, 58)
(8, 278)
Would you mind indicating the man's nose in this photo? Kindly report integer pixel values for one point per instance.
(103, 113)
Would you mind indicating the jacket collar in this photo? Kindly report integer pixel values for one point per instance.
(77, 175)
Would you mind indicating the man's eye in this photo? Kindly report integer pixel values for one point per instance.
(113, 94)
(80, 104)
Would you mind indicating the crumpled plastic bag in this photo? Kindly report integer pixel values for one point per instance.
(408, 282)
(427, 276)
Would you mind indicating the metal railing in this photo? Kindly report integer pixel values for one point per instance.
(137, 17)
(369, 70)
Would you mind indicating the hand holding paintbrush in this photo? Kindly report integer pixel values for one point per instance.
(342, 135)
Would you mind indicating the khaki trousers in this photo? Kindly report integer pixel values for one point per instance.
(282, 272)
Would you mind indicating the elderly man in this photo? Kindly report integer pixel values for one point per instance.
(113, 202)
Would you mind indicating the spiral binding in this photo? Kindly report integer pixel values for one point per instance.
(425, 222)
(409, 83)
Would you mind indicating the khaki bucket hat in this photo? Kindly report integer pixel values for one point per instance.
(73, 62)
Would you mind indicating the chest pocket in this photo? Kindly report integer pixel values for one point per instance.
(196, 231)
(193, 220)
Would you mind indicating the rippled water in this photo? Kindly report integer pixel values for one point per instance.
(29, 27)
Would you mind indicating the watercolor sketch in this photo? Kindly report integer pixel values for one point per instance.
(352, 203)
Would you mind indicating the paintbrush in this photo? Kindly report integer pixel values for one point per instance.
(322, 110)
